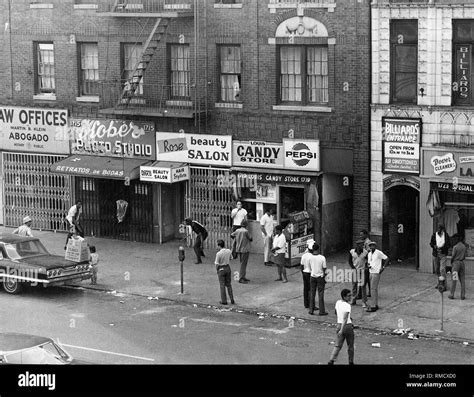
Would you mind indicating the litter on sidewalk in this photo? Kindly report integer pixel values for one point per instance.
(401, 331)
(412, 336)
(376, 344)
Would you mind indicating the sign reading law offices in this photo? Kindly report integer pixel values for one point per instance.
(33, 129)
(401, 140)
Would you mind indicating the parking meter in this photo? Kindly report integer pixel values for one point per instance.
(441, 284)
(181, 253)
(181, 259)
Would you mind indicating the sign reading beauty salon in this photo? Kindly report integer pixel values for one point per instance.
(201, 149)
(301, 154)
(113, 138)
(257, 154)
(165, 174)
(33, 129)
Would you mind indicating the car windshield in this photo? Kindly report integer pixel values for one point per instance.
(49, 353)
(25, 249)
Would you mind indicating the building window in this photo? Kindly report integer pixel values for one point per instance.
(463, 72)
(179, 71)
(230, 73)
(131, 56)
(304, 74)
(45, 69)
(89, 69)
(404, 60)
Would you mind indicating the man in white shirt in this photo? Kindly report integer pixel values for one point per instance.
(266, 225)
(224, 272)
(317, 281)
(306, 272)
(24, 230)
(278, 251)
(345, 329)
(376, 260)
(238, 215)
(73, 217)
(358, 262)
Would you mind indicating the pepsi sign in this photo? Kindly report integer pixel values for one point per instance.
(301, 154)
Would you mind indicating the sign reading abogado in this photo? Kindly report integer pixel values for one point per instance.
(113, 138)
(401, 145)
(257, 154)
(301, 154)
(33, 129)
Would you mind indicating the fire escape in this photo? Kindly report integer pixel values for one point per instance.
(131, 96)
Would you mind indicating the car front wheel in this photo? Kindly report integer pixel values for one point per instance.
(12, 285)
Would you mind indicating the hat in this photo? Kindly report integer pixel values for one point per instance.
(309, 243)
(360, 241)
(26, 219)
(372, 243)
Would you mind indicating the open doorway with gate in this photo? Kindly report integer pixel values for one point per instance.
(400, 225)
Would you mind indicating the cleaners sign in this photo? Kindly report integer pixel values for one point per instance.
(32, 129)
(401, 140)
(199, 149)
(257, 154)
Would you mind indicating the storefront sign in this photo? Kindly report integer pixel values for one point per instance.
(201, 149)
(462, 83)
(448, 164)
(450, 187)
(113, 138)
(257, 154)
(299, 246)
(301, 155)
(249, 179)
(444, 163)
(266, 193)
(401, 145)
(164, 174)
(33, 129)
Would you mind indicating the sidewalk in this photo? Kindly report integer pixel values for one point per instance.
(407, 299)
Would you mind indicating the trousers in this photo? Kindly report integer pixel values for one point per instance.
(306, 288)
(317, 283)
(244, 258)
(225, 281)
(198, 247)
(460, 269)
(347, 335)
(267, 246)
(374, 280)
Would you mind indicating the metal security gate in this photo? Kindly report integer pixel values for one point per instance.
(210, 202)
(30, 189)
(99, 209)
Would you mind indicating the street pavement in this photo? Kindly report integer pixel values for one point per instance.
(407, 298)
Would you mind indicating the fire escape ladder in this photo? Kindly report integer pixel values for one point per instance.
(148, 50)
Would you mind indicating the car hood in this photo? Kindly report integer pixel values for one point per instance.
(48, 261)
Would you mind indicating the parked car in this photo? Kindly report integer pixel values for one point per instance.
(25, 260)
(18, 348)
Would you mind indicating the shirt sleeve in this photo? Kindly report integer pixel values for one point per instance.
(324, 263)
(383, 256)
(262, 221)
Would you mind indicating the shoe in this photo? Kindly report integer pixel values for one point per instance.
(376, 307)
(364, 306)
(450, 297)
(246, 279)
(351, 363)
(369, 296)
(202, 254)
(232, 302)
(284, 281)
(198, 262)
(371, 309)
(323, 314)
(330, 362)
(463, 297)
(306, 307)
(279, 279)
(310, 312)
(267, 264)
(223, 303)
(242, 281)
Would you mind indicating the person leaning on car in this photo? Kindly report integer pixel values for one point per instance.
(24, 230)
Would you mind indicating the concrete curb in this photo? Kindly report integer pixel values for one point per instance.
(283, 316)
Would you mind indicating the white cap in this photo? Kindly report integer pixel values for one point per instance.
(26, 219)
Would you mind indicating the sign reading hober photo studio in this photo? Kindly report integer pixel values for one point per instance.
(401, 139)
(33, 129)
(113, 138)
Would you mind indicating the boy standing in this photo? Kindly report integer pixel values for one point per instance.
(94, 263)
(224, 272)
(345, 329)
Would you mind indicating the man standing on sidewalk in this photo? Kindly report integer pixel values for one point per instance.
(266, 225)
(238, 215)
(242, 247)
(306, 272)
(440, 244)
(317, 281)
(358, 262)
(459, 271)
(224, 272)
(345, 329)
(364, 235)
(201, 235)
(377, 260)
(278, 251)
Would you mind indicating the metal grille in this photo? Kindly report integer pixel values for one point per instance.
(211, 203)
(99, 209)
(30, 189)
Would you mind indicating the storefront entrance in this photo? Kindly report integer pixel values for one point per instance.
(400, 227)
(291, 200)
(172, 210)
(112, 209)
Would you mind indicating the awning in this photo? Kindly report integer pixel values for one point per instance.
(164, 172)
(99, 167)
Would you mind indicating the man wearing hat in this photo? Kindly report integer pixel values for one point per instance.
(24, 230)
(377, 261)
(358, 262)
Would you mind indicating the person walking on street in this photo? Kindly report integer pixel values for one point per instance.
(306, 272)
(364, 235)
(94, 264)
(201, 235)
(377, 261)
(278, 251)
(242, 247)
(224, 272)
(266, 225)
(458, 271)
(440, 243)
(25, 229)
(345, 329)
(73, 219)
(317, 281)
(238, 215)
(358, 262)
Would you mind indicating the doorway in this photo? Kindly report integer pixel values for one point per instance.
(291, 200)
(400, 226)
(172, 210)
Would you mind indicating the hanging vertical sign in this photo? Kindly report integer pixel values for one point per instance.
(462, 85)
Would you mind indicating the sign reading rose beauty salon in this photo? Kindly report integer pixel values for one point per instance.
(113, 138)
(33, 129)
(201, 149)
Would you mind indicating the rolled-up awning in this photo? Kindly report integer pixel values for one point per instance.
(99, 167)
